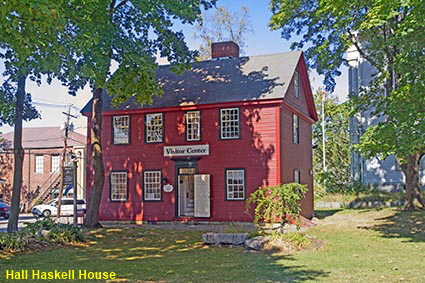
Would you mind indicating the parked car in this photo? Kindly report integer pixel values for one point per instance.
(4, 210)
(67, 207)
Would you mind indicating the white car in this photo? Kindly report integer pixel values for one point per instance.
(50, 208)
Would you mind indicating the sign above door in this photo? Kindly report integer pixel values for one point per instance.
(186, 150)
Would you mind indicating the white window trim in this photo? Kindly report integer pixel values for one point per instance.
(228, 186)
(149, 132)
(39, 167)
(196, 126)
(115, 182)
(52, 170)
(222, 127)
(121, 139)
(152, 185)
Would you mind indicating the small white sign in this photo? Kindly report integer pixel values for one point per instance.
(186, 150)
(168, 188)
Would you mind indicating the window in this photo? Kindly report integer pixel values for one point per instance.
(187, 171)
(154, 127)
(54, 161)
(121, 129)
(296, 84)
(152, 185)
(296, 129)
(229, 123)
(297, 176)
(39, 160)
(118, 186)
(235, 184)
(193, 126)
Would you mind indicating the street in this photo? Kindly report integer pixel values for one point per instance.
(23, 217)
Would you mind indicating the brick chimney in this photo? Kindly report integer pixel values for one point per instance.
(224, 49)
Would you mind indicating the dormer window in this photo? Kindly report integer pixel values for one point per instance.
(296, 84)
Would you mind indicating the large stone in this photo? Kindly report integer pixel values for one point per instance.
(222, 238)
(256, 243)
(45, 233)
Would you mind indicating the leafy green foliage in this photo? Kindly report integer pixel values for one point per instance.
(386, 34)
(128, 35)
(65, 233)
(277, 204)
(297, 239)
(337, 144)
(7, 105)
(13, 242)
(59, 233)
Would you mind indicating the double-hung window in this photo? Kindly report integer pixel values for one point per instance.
(54, 162)
(235, 184)
(154, 127)
(296, 129)
(39, 160)
(121, 132)
(229, 123)
(193, 125)
(297, 176)
(118, 186)
(296, 84)
(152, 185)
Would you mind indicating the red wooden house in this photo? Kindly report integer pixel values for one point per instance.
(221, 130)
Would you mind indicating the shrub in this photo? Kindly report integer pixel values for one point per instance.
(277, 204)
(297, 239)
(13, 242)
(58, 233)
(65, 233)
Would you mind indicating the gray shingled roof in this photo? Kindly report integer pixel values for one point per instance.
(44, 137)
(224, 80)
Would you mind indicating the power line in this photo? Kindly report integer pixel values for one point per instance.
(54, 105)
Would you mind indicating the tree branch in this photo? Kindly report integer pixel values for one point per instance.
(362, 53)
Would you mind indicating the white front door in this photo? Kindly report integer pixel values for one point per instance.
(202, 195)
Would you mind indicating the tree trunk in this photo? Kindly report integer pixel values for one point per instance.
(18, 157)
(91, 220)
(411, 172)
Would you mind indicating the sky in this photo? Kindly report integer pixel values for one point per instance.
(52, 100)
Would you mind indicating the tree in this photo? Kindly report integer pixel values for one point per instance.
(29, 47)
(223, 25)
(129, 34)
(337, 143)
(279, 203)
(388, 35)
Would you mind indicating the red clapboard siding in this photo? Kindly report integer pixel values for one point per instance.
(255, 151)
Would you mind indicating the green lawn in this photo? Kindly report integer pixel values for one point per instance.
(362, 246)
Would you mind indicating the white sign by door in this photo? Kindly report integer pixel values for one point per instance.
(202, 195)
(186, 150)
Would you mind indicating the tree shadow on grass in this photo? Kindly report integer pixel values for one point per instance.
(323, 213)
(180, 256)
(403, 224)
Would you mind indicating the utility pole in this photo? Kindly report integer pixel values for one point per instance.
(65, 145)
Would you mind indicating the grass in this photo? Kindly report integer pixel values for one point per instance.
(362, 246)
(367, 196)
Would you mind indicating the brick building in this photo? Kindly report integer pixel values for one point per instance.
(43, 147)
(221, 130)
